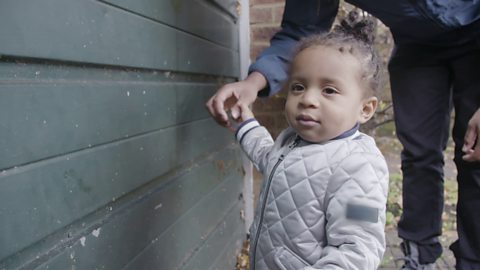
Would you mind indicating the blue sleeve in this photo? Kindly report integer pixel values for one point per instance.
(300, 18)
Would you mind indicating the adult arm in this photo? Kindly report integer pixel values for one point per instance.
(300, 19)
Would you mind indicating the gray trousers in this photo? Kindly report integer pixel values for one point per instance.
(427, 83)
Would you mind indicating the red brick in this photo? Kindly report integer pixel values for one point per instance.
(277, 14)
(258, 105)
(256, 49)
(263, 33)
(277, 103)
(266, 120)
(273, 104)
(261, 2)
(261, 15)
(281, 121)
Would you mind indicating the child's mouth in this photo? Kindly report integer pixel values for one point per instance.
(306, 120)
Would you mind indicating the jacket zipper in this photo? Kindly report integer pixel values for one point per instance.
(267, 191)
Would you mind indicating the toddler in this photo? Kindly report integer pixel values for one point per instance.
(322, 204)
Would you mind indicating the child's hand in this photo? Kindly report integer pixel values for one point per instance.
(245, 113)
(235, 119)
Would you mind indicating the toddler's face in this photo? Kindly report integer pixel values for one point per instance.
(325, 93)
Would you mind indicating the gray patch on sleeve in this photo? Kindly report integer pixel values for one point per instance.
(362, 213)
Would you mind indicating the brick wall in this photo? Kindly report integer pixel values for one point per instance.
(265, 19)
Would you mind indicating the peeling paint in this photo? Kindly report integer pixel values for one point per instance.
(82, 240)
(96, 232)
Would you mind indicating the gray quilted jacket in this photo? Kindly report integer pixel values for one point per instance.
(322, 206)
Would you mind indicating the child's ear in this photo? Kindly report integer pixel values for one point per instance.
(368, 109)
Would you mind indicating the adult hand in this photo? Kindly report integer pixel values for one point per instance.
(232, 95)
(471, 145)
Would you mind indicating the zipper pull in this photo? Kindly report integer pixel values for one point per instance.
(295, 142)
(281, 157)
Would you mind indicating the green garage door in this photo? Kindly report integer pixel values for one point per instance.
(108, 159)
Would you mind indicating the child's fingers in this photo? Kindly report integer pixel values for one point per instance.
(246, 113)
(236, 111)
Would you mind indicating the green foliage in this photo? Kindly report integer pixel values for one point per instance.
(394, 200)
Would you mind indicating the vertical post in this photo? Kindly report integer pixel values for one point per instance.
(244, 47)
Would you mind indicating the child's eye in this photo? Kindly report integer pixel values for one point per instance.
(297, 87)
(330, 91)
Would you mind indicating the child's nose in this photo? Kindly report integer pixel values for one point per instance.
(309, 99)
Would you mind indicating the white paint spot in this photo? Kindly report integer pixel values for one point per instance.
(128, 93)
(145, 113)
(82, 241)
(76, 125)
(72, 255)
(144, 92)
(141, 148)
(96, 232)
(44, 122)
(167, 74)
(37, 73)
(158, 206)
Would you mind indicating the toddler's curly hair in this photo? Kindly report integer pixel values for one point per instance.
(354, 35)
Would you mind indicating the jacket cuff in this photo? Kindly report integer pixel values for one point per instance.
(245, 127)
(273, 69)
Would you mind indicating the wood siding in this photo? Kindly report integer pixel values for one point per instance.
(108, 158)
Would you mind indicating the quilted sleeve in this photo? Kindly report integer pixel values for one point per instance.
(255, 141)
(355, 205)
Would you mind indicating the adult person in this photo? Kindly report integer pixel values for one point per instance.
(433, 68)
